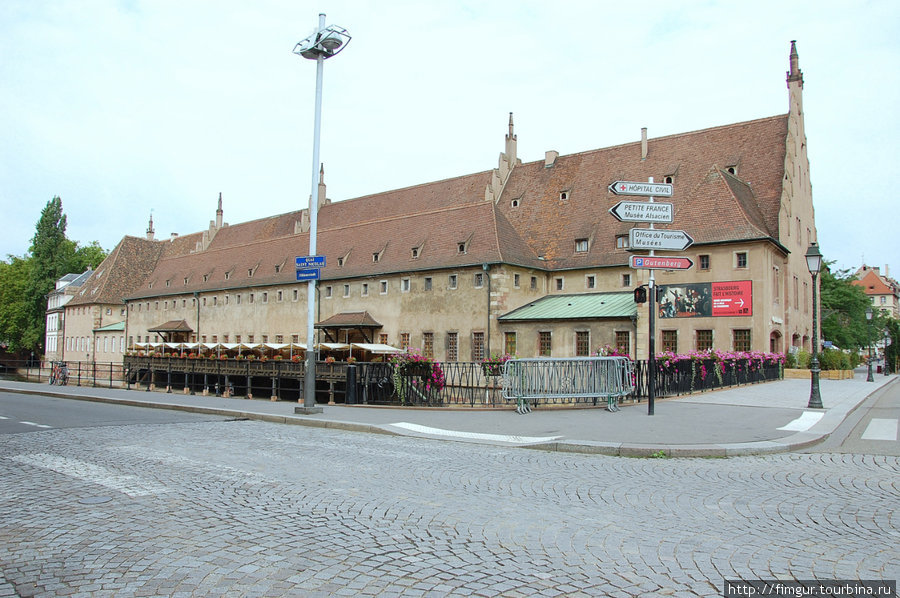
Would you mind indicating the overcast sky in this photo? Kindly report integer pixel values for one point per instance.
(123, 108)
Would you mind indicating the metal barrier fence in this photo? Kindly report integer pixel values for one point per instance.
(468, 384)
(549, 380)
(696, 375)
(80, 373)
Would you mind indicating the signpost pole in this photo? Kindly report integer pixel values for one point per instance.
(651, 344)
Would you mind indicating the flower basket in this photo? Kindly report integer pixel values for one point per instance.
(492, 368)
(415, 369)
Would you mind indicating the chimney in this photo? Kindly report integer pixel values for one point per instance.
(550, 157)
(643, 143)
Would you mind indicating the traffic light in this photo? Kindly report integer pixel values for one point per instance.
(640, 295)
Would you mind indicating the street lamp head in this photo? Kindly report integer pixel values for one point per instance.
(325, 42)
(868, 313)
(813, 259)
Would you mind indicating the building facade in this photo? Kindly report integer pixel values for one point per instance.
(882, 290)
(525, 258)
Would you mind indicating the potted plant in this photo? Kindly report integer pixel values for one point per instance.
(493, 365)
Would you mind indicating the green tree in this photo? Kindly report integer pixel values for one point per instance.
(892, 352)
(26, 281)
(843, 309)
(14, 317)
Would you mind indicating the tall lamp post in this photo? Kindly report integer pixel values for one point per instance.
(887, 341)
(814, 263)
(870, 378)
(324, 43)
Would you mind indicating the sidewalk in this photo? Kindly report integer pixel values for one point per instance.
(757, 419)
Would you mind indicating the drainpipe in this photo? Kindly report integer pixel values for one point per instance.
(197, 300)
(487, 270)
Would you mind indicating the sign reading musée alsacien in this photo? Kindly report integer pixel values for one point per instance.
(706, 299)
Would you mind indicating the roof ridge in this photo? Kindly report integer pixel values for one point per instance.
(406, 215)
(664, 137)
(486, 173)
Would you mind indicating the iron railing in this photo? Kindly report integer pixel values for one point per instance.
(466, 384)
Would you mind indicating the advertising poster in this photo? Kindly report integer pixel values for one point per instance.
(706, 299)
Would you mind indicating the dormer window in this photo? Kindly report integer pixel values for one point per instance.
(249, 272)
(277, 268)
(461, 247)
(563, 196)
(668, 179)
(150, 286)
(581, 245)
(227, 275)
(514, 203)
(206, 278)
(340, 262)
(415, 253)
(375, 257)
(185, 281)
(168, 282)
(732, 169)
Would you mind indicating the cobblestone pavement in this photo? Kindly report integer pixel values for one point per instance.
(255, 509)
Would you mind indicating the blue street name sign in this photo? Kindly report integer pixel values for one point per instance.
(310, 261)
(307, 274)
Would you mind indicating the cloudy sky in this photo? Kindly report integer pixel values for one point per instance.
(123, 108)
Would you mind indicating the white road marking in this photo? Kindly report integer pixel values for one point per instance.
(804, 422)
(1, 417)
(881, 429)
(34, 424)
(82, 470)
(475, 435)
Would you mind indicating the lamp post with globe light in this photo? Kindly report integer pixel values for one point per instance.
(814, 263)
(324, 43)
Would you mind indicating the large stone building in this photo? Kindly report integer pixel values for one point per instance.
(525, 258)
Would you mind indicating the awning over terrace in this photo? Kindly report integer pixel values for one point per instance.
(353, 324)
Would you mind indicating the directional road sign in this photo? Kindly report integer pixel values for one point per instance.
(642, 211)
(307, 274)
(667, 240)
(310, 261)
(645, 189)
(645, 262)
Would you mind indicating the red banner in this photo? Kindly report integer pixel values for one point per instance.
(706, 299)
(732, 298)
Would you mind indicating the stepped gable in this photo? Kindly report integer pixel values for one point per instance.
(756, 149)
(124, 270)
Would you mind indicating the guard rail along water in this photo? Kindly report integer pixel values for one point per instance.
(529, 381)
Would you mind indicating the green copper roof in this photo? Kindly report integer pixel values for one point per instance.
(575, 307)
(111, 327)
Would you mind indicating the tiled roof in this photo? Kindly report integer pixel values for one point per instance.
(873, 284)
(448, 223)
(131, 261)
(172, 326)
(575, 307)
(350, 319)
(709, 204)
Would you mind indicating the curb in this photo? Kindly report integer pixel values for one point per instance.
(795, 442)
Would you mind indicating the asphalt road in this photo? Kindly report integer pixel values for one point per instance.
(27, 413)
(247, 508)
(872, 429)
